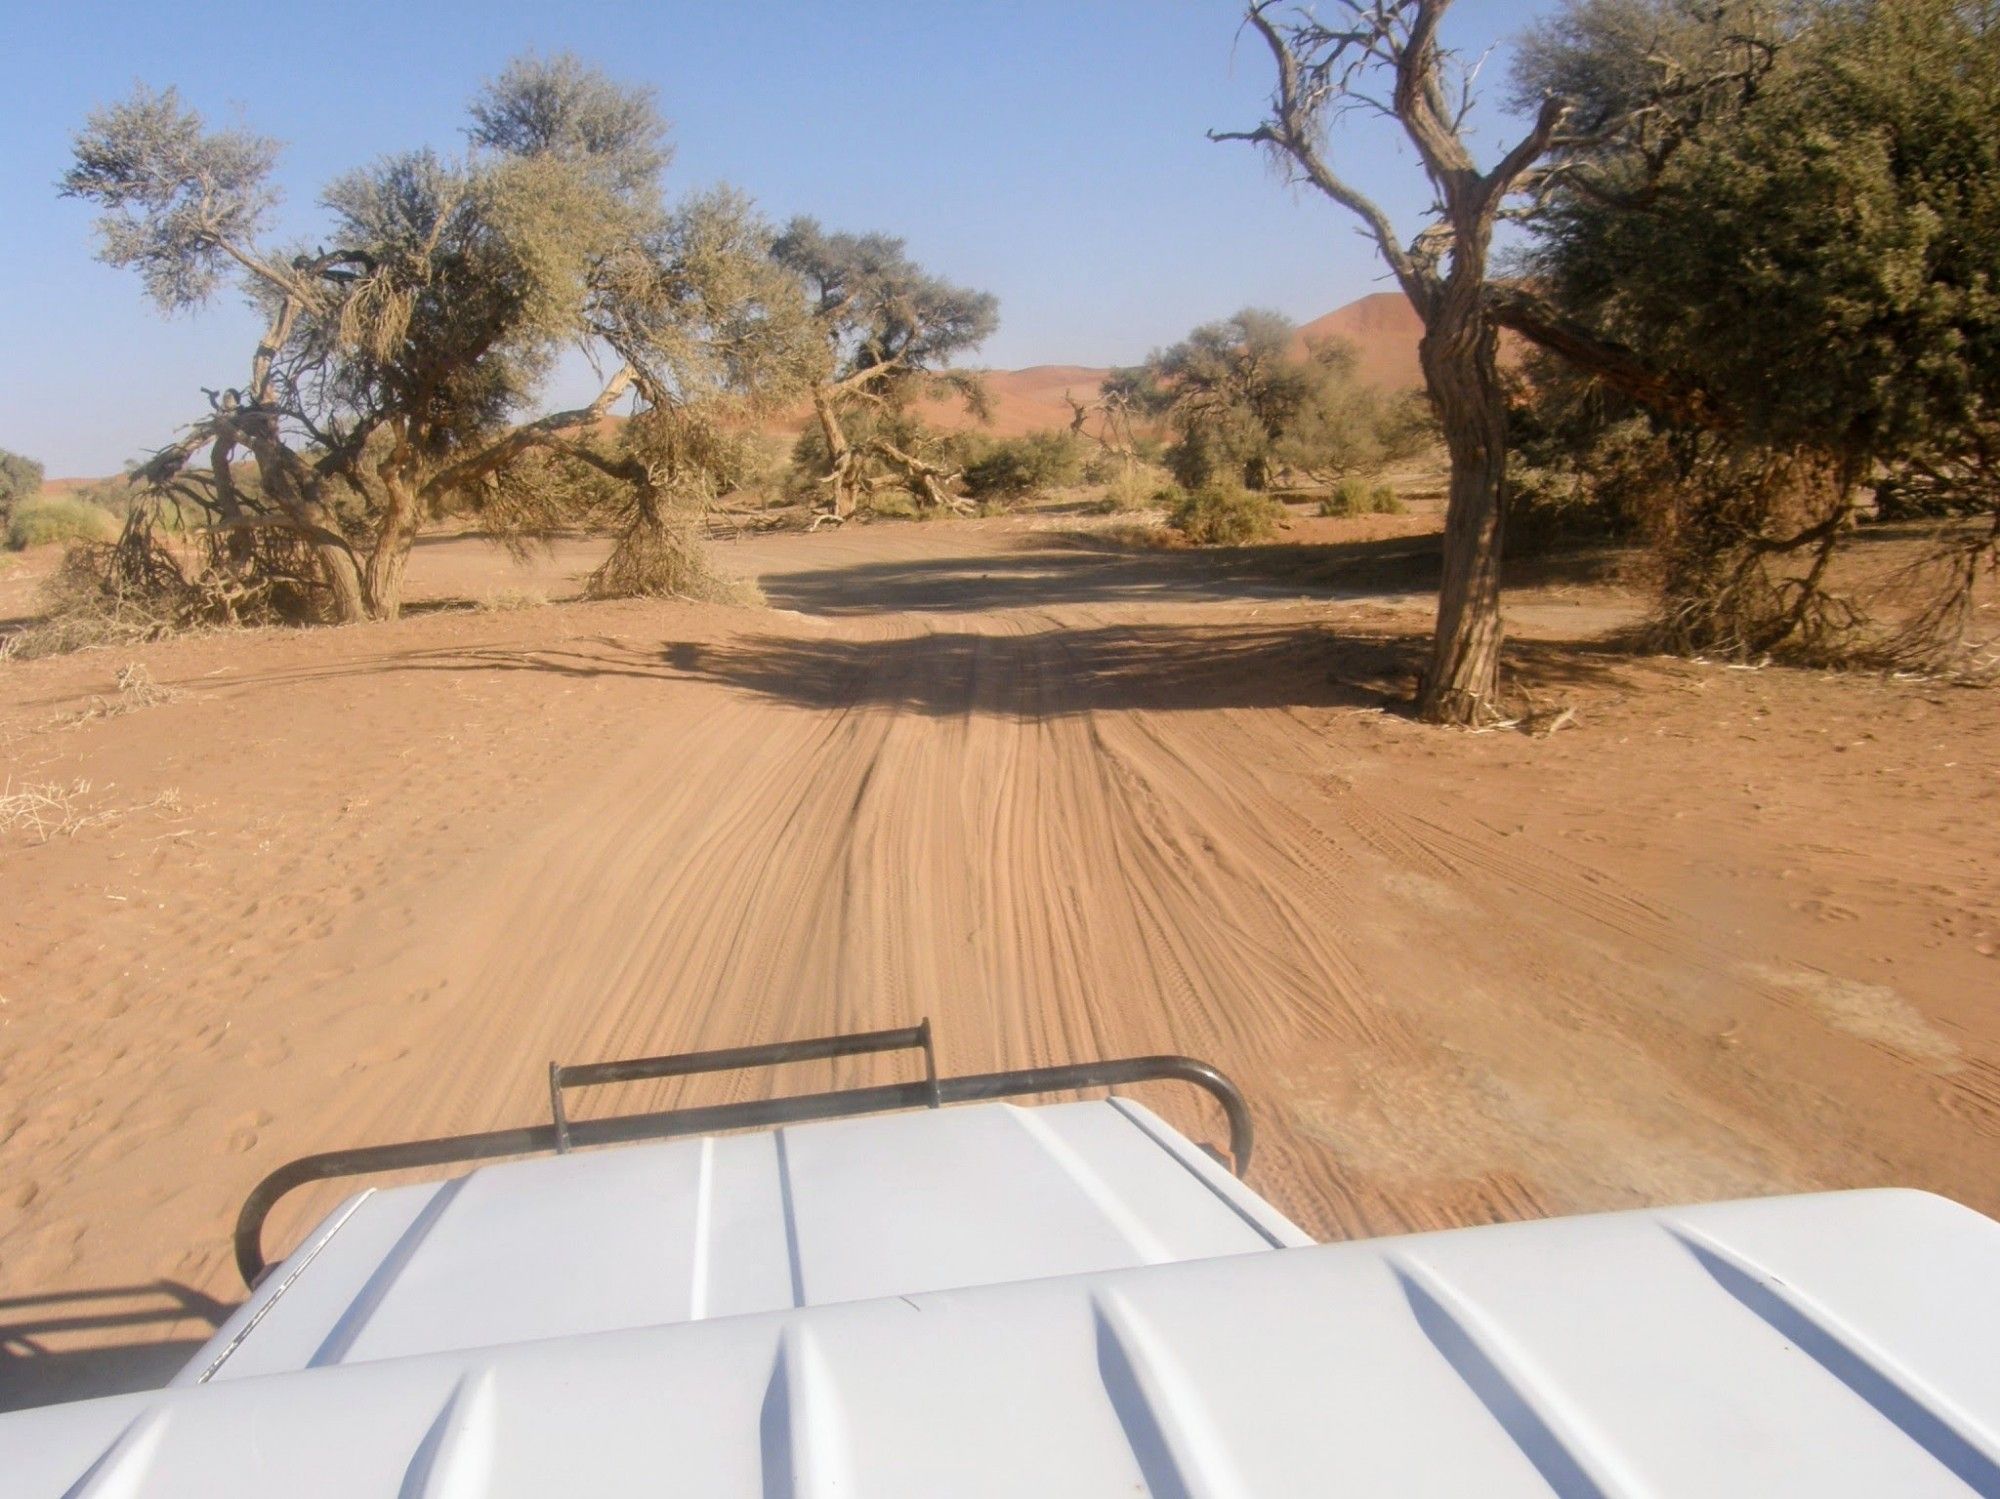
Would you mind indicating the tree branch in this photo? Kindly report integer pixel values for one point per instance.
(539, 433)
(1293, 132)
(1501, 181)
(1534, 318)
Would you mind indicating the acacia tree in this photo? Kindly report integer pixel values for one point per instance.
(1230, 390)
(20, 479)
(1121, 399)
(1384, 57)
(397, 371)
(1245, 401)
(888, 329)
(1820, 259)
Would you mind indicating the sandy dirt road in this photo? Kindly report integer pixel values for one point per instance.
(1731, 933)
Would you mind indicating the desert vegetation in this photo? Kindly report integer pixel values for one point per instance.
(1224, 513)
(1249, 403)
(1713, 194)
(887, 330)
(1811, 264)
(397, 371)
(1706, 192)
(20, 479)
(49, 519)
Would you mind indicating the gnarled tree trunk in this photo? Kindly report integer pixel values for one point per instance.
(843, 477)
(1459, 354)
(390, 555)
(343, 581)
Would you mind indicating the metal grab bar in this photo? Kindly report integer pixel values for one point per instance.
(752, 1114)
(682, 1064)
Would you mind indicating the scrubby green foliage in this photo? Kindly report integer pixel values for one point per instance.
(399, 370)
(1248, 404)
(1225, 515)
(45, 520)
(1353, 497)
(1138, 486)
(1012, 468)
(1839, 230)
(1583, 464)
(20, 479)
(1821, 263)
(888, 330)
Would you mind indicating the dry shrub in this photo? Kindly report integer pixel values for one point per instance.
(1740, 555)
(136, 690)
(1224, 515)
(510, 600)
(142, 587)
(666, 559)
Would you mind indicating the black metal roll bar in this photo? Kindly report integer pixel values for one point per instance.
(564, 1134)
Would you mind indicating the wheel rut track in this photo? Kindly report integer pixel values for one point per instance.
(987, 817)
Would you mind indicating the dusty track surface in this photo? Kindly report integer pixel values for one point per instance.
(1727, 933)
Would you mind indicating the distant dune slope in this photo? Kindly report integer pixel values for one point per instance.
(1384, 329)
(1382, 326)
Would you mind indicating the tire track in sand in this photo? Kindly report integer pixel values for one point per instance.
(846, 823)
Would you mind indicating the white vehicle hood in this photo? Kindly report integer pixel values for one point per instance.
(1842, 1344)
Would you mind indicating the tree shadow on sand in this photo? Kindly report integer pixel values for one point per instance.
(1061, 672)
(1044, 571)
(1036, 673)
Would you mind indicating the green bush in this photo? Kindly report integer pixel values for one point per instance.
(1348, 498)
(1136, 487)
(1225, 515)
(1015, 467)
(20, 480)
(39, 522)
(1352, 497)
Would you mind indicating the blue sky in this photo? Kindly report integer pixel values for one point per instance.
(1050, 151)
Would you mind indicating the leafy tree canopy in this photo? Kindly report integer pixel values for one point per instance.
(20, 479)
(400, 370)
(1824, 260)
(1247, 401)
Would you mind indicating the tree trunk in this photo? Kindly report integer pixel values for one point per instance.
(240, 545)
(391, 553)
(343, 580)
(843, 481)
(1459, 355)
(308, 517)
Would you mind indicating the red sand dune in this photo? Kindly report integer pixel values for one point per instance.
(1385, 330)
(1382, 326)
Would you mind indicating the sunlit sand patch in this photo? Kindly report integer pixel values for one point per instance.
(1870, 1012)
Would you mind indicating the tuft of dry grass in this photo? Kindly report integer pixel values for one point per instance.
(48, 810)
(509, 600)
